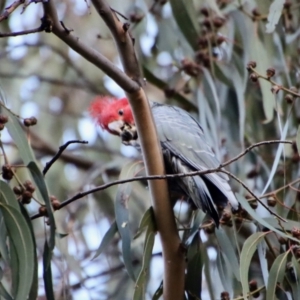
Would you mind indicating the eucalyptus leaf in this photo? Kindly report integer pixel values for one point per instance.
(185, 16)
(40, 182)
(249, 248)
(107, 239)
(22, 243)
(277, 273)
(274, 15)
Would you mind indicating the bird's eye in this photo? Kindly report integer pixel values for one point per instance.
(120, 112)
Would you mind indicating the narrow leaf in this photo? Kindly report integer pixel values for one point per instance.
(274, 15)
(193, 282)
(3, 243)
(7, 196)
(107, 239)
(4, 294)
(21, 239)
(228, 251)
(33, 294)
(263, 221)
(277, 157)
(40, 183)
(122, 217)
(298, 139)
(18, 135)
(261, 251)
(248, 250)
(186, 19)
(277, 272)
(141, 282)
(47, 274)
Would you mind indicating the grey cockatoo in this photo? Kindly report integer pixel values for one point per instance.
(184, 149)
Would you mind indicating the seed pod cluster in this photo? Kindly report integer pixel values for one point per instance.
(225, 296)
(7, 172)
(25, 191)
(190, 67)
(209, 227)
(210, 36)
(253, 287)
(55, 202)
(290, 98)
(30, 121)
(226, 218)
(3, 121)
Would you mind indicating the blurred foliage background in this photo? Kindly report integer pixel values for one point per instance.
(193, 54)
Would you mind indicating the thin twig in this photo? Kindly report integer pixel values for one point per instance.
(252, 194)
(169, 176)
(85, 51)
(23, 32)
(59, 152)
(9, 9)
(281, 87)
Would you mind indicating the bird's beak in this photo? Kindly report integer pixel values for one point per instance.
(116, 127)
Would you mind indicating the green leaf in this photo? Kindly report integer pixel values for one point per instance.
(7, 196)
(197, 220)
(263, 221)
(186, 19)
(147, 220)
(237, 82)
(41, 185)
(274, 15)
(193, 282)
(47, 274)
(22, 243)
(14, 266)
(249, 247)
(277, 157)
(3, 236)
(18, 135)
(288, 225)
(4, 294)
(224, 271)
(228, 251)
(33, 294)
(298, 139)
(122, 216)
(259, 54)
(107, 239)
(261, 251)
(277, 273)
(141, 283)
(210, 92)
(292, 276)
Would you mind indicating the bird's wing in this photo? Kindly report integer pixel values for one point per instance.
(181, 134)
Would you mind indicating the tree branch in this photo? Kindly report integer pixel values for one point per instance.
(178, 175)
(123, 40)
(9, 9)
(173, 253)
(88, 53)
(23, 32)
(59, 153)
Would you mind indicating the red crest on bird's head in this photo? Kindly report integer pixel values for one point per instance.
(110, 113)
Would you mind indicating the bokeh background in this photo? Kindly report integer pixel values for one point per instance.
(195, 58)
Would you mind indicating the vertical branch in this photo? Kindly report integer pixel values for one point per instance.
(173, 254)
(131, 82)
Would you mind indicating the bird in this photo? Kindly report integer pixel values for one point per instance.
(184, 149)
